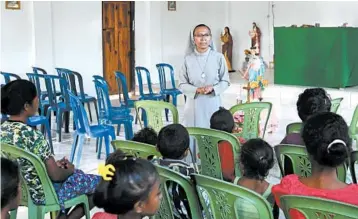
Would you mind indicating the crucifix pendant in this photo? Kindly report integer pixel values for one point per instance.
(203, 75)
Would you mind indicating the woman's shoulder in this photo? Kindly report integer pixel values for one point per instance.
(288, 182)
(103, 215)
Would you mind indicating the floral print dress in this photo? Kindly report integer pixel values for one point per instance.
(25, 137)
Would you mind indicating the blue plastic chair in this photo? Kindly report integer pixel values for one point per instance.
(115, 115)
(146, 96)
(123, 88)
(83, 128)
(9, 76)
(173, 91)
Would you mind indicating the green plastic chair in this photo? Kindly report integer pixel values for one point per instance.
(313, 207)
(252, 112)
(165, 210)
(300, 162)
(294, 128)
(335, 104)
(153, 113)
(224, 197)
(52, 204)
(207, 143)
(353, 128)
(354, 161)
(136, 149)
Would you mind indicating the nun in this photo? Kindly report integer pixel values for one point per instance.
(203, 78)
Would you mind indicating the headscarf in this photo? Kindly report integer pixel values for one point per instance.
(191, 44)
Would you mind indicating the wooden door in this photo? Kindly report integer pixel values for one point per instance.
(118, 42)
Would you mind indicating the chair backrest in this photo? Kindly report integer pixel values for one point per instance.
(69, 77)
(335, 104)
(313, 207)
(79, 114)
(136, 149)
(53, 84)
(154, 112)
(207, 142)
(354, 162)
(38, 70)
(9, 76)
(162, 75)
(142, 70)
(122, 87)
(165, 210)
(80, 90)
(14, 153)
(300, 163)
(252, 113)
(353, 127)
(224, 199)
(103, 101)
(294, 128)
(36, 80)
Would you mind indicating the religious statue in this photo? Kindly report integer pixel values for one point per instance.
(226, 38)
(255, 34)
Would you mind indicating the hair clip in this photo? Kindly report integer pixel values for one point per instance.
(336, 141)
(105, 170)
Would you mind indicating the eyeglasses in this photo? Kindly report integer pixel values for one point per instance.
(207, 35)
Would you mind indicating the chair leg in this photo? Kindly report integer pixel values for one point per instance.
(49, 137)
(128, 131)
(118, 129)
(106, 141)
(144, 118)
(59, 124)
(99, 148)
(80, 147)
(167, 99)
(95, 108)
(74, 146)
(89, 110)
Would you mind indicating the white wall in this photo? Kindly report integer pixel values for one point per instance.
(69, 34)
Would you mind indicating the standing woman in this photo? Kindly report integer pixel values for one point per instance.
(226, 49)
(203, 78)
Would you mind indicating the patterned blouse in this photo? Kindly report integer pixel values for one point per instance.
(25, 137)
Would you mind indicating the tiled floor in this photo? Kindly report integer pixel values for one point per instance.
(283, 99)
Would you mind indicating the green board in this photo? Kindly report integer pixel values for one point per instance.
(320, 57)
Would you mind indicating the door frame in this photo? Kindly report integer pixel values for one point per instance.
(132, 45)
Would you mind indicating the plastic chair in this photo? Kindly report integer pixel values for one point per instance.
(335, 104)
(294, 128)
(51, 200)
(146, 96)
(42, 120)
(165, 210)
(300, 163)
(252, 113)
(353, 127)
(207, 143)
(354, 161)
(83, 129)
(136, 149)
(313, 207)
(123, 89)
(115, 115)
(9, 76)
(173, 91)
(153, 113)
(224, 197)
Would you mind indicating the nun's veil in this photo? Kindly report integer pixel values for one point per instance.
(191, 45)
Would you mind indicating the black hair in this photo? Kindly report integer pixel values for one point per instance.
(322, 129)
(147, 136)
(257, 158)
(132, 182)
(222, 120)
(228, 30)
(10, 180)
(15, 94)
(173, 141)
(201, 25)
(312, 101)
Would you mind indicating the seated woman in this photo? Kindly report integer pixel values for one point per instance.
(19, 100)
(10, 187)
(328, 144)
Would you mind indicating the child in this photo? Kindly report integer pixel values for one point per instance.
(223, 120)
(130, 188)
(256, 160)
(10, 187)
(19, 100)
(173, 144)
(147, 136)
